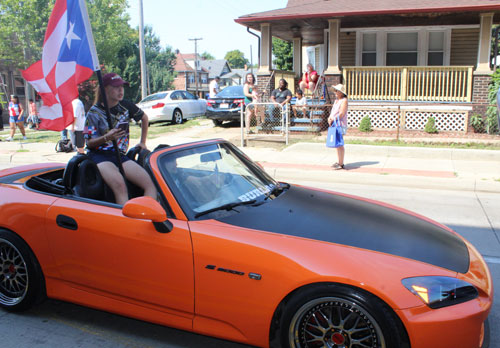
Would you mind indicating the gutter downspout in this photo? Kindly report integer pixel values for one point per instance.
(258, 37)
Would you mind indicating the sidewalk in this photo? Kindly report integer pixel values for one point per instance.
(432, 168)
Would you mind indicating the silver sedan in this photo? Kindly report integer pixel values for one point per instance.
(174, 106)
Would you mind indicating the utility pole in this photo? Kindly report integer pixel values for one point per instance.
(196, 63)
(142, 54)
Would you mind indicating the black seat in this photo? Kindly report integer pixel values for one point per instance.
(138, 154)
(82, 178)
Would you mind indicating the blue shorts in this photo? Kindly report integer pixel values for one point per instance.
(106, 156)
(16, 119)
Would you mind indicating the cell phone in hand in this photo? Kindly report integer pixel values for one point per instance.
(122, 125)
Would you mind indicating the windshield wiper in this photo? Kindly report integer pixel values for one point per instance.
(277, 190)
(228, 206)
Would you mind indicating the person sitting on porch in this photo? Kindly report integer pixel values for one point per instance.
(309, 79)
(300, 109)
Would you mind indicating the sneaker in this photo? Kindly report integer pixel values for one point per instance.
(8, 139)
(24, 138)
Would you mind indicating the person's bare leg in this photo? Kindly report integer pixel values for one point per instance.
(302, 85)
(138, 175)
(113, 178)
(248, 115)
(21, 128)
(340, 155)
(12, 126)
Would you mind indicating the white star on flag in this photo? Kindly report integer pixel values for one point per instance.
(71, 35)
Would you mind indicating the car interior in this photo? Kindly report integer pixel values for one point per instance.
(81, 178)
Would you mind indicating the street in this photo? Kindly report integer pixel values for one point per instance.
(474, 215)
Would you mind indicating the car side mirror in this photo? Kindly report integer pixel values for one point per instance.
(147, 208)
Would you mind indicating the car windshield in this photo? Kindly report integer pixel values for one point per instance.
(231, 92)
(214, 176)
(153, 97)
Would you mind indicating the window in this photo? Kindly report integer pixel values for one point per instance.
(369, 54)
(435, 52)
(191, 78)
(404, 46)
(402, 49)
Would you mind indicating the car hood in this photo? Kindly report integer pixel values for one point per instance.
(346, 220)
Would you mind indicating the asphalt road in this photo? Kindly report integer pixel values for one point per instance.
(57, 324)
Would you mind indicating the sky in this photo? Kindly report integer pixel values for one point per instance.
(175, 22)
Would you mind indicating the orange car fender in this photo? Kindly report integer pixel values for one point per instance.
(228, 260)
(23, 212)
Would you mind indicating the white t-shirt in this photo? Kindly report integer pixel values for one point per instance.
(79, 112)
(213, 86)
(301, 102)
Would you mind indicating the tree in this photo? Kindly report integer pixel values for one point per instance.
(236, 59)
(22, 29)
(207, 56)
(159, 61)
(283, 54)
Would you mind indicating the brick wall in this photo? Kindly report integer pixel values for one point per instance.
(480, 94)
(180, 81)
(332, 80)
(265, 85)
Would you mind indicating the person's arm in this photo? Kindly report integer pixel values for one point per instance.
(21, 110)
(287, 100)
(144, 130)
(343, 110)
(113, 134)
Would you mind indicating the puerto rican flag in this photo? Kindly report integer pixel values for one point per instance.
(69, 57)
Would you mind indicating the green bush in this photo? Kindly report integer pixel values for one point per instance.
(477, 122)
(491, 113)
(366, 124)
(430, 126)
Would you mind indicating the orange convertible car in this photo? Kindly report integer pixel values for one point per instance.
(229, 252)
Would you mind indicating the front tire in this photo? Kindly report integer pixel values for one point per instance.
(331, 315)
(21, 278)
(217, 123)
(177, 117)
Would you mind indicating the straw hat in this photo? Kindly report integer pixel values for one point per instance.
(341, 88)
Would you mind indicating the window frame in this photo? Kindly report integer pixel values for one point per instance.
(422, 48)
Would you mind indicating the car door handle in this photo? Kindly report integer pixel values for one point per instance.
(66, 222)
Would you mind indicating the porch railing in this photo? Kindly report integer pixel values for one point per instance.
(402, 83)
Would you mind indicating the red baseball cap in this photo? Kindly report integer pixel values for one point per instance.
(113, 79)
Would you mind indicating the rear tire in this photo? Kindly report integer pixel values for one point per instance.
(217, 123)
(333, 315)
(177, 117)
(21, 278)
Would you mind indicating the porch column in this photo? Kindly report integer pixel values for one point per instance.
(297, 56)
(483, 54)
(265, 49)
(333, 47)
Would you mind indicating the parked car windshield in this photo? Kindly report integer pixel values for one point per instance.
(156, 96)
(210, 176)
(231, 92)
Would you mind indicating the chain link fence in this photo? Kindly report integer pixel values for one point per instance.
(262, 120)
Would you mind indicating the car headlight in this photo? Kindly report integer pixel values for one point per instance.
(438, 292)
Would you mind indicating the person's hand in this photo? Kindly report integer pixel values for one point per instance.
(115, 133)
(142, 146)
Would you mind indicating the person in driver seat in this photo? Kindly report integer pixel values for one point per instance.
(100, 139)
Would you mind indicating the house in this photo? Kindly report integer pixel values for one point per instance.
(187, 78)
(402, 61)
(218, 67)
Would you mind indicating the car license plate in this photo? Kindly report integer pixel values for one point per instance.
(224, 105)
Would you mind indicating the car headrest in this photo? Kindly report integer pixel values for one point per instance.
(71, 171)
(89, 181)
(138, 154)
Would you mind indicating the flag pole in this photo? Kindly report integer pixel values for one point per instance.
(110, 121)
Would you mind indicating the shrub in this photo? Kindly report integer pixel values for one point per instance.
(491, 112)
(366, 124)
(430, 126)
(477, 122)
